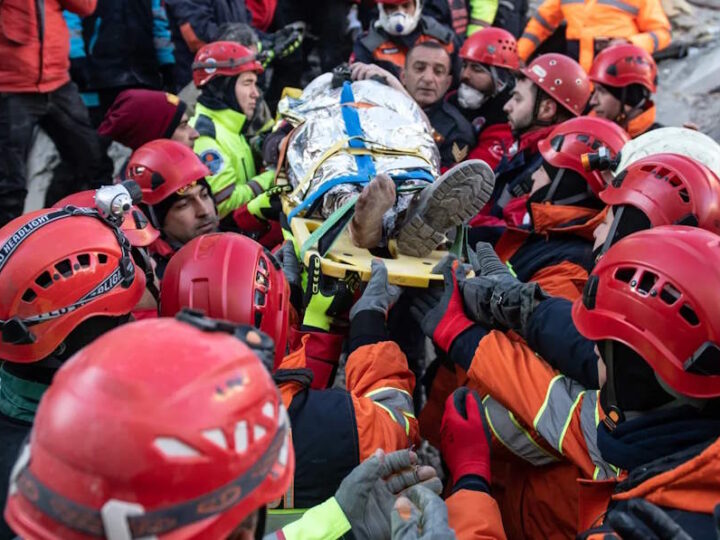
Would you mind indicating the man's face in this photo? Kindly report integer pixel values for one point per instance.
(601, 231)
(540, 179)
(194, 214)
(427, 75)
(247, 93)
(521, 105)
(406, 7)
(478, 76)
(185, 133)
(604, 104)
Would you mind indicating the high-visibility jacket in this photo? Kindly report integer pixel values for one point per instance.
(224, 149)
(642, 22)
(335, 430)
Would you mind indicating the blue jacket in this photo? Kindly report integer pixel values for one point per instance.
(125, 43)
(197, 22)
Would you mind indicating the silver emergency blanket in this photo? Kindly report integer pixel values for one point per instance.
(389, 121)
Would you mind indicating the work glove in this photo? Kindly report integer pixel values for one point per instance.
(292, 268)
(282, 43)
(644, 521)
(464, 436)
(495, 298)
(272, 142)
(420, 515)
(379, 295)
(267, 205)
(366, 496)
(440, 313)
(325, 298)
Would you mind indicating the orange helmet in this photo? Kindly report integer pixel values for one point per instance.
(561, 78)
(623, 65)
(163, 167)
(493, 47)
(183, 434)
(223, 58)
(135, 226)
(58, 268)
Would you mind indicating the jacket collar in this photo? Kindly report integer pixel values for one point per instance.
(641, 123)
(576, 220)
(231, 120)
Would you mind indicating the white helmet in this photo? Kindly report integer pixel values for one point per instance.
(674, 140)
(399, 23)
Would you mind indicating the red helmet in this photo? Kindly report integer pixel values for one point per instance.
(493, 47)
(135, 226)
(623, 65)
(57, 269)
(223, 58)
(156, 429)
(669, 189)
(562, 79)
(164, 167)
(229, 276)
(569, 141)
(656, 291)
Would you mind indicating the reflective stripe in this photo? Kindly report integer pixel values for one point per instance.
(656, 41)
(224, 194)
(543, 22)
(589, 420)
(513, 436)
(531, 37)
(396, 402)
(552, 419)
(628, 8)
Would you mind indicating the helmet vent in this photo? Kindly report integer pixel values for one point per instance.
(269, 410)
(174, 448)
(241, 437)
(669, 294)
(684, 195)
(84, 260)
(215, 436)
(29, 296)
(259, 432)
(688, 313)
(44, 280)
(625, 274)
(647, 281)
(102, 258)
(65, 268)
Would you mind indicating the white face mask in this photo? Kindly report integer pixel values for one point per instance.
(469, 98)
(399, 23)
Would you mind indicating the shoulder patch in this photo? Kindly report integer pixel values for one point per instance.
(205, 126)
(459, 152)
(213, 160)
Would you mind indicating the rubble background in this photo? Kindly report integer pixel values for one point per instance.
(689, 88)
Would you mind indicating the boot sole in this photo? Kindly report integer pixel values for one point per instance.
(453, 199)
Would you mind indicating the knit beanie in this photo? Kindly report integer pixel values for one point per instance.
(140, 116)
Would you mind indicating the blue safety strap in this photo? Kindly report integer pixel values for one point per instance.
(365, 164)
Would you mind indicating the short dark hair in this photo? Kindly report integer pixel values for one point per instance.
(428, 45)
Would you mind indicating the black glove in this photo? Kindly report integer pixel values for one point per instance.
(282, 43)
(271, 144)
(325, 297)
(644, 521)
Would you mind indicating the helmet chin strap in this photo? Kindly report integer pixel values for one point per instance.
(614, 415)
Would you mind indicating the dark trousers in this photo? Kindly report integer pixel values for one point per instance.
(63, 116)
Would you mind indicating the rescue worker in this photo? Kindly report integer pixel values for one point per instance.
(400, 26)
(175, 195)
(592, 27)
(374, 412)
(213, 477)
(427, 76)
(625, 78)
(537, 103)
(554, 246)
(489, 63)
(66, 277)
(139, 116)
(227, 75)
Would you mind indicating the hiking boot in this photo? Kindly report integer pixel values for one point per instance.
(453, 199)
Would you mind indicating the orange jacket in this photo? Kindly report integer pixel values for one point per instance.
(380, 385)
(555, 255)
(474, 515)
(642, 22)
(34, 59)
